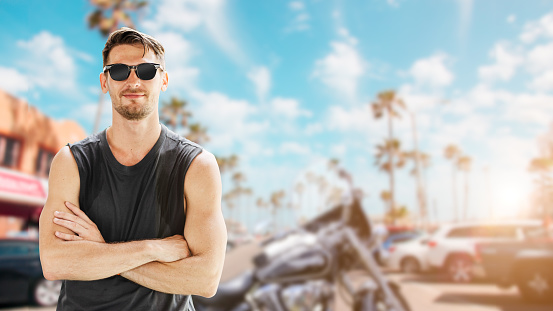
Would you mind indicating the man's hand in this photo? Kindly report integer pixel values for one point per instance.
(167, 250)
(171, 249)
(79, 223)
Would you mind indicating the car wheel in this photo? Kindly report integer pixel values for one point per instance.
(410, 265)
(535, 284)
(46, 293)
(459, 269)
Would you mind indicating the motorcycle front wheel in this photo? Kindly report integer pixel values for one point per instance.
(376, 300)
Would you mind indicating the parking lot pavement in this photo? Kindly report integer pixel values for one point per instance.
(432, 292)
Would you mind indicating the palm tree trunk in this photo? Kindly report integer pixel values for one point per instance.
(420, 190)
(454, 183)
(466, 207)
(391, 166)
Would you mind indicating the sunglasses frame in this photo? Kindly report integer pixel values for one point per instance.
(130, 68)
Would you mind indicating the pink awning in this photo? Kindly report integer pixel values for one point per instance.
(22, 189)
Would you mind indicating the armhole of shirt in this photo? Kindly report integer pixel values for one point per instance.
(80, 168)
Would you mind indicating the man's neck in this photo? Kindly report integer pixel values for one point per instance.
(130, 141)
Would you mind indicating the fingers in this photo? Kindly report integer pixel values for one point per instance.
(72, 218)
(77, 211)
(69, 224)
(68, 237)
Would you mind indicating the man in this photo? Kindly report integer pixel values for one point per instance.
(133, 217)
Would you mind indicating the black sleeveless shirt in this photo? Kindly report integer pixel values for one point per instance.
(128, 203)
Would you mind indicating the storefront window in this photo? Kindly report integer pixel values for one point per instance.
(43, 162)
(10, 149)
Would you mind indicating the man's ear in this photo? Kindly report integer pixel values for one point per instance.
(104, 82)
(165, 81)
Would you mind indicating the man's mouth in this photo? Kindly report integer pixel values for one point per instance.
(133, 95)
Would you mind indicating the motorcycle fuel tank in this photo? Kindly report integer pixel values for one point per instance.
(299, 263)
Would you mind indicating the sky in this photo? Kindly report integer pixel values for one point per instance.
(287, 85)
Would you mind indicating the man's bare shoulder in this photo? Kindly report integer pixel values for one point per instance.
(203, 173)
(64, 163)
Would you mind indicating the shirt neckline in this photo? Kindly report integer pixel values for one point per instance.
(142, 163)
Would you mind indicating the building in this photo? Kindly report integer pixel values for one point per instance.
(28, 142)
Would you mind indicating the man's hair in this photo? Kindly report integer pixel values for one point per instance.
(130, 36)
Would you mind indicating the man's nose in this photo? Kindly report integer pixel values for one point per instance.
(133, 77)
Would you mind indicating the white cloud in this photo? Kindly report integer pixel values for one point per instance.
(188, 15)
(294, 148)
(539, 58)
(178, 53)
(536, 29)
(229, 121)
(289, 108)
(13, 81)
(261, 78)
(505, 65)
(313, 128)
(417, 100)
(296, 5)
(351, 119)
(543, 82)
(432, 71)
(339, 150)
(483, 96)
(301, 17)
(511, 18)
(48, 63)
(535, 109)
(342, 68)
(393, 3)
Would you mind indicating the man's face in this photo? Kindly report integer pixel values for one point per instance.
(133, 99)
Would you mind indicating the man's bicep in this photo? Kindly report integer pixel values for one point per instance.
(205, 229)
(63, 185)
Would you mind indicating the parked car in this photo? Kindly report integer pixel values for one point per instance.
(409, 256)
(527, 264)
(382, 253)
(21, 278)
(452, 246)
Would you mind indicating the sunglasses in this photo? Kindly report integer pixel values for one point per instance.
(144, 71)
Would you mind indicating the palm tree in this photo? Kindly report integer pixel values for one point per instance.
(276, 203)
(464, 165)
(452, 153)
(421, 162)
(227, 164)
(174, 113)
(107, 17)
(109, 14)
(386, 198)
(388, 103)
(543, 168)
(386, 153)
(237, 179)
(197, 133)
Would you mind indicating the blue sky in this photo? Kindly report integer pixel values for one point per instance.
(287, 85)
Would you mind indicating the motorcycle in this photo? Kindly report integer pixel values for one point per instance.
(303, 269)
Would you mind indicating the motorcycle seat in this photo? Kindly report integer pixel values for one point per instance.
(230, 292)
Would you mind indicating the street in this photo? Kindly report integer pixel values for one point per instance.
(425, 292)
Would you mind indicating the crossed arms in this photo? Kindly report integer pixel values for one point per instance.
(72, 248)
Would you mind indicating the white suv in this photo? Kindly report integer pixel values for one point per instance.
(452, 246)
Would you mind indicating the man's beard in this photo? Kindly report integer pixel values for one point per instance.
(134, 112)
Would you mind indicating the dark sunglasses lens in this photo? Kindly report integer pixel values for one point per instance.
(119, 72)
(146, 71)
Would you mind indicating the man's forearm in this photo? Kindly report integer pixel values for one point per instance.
(194, 275)
(87, 260)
